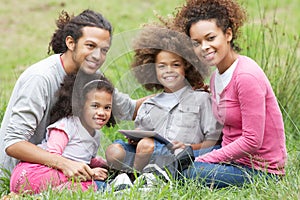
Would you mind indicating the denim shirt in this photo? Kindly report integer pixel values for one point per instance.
(190, 121)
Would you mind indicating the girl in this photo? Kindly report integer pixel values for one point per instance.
(83, 107)
(164, 61)
(243, 100)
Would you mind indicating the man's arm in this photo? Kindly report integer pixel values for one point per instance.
(139, 103)
(125, 108)
(29, 152)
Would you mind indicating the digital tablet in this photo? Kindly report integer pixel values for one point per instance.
(139, 134)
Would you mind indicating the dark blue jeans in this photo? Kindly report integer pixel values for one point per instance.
(101, 185)
(216, 175)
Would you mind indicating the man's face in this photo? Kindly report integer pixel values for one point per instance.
(91, 49)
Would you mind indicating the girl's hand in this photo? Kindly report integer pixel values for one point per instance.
(100, 173)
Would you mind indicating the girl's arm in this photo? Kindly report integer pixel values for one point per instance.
(57, 141)
(98, 162)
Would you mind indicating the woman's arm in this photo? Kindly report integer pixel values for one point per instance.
(205, 144)
(243, 141)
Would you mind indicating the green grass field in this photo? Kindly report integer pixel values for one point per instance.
(271, 37)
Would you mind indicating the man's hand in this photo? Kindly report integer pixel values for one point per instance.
(76, 169)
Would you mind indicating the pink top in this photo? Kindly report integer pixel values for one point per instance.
(57, 142)
(253, 133)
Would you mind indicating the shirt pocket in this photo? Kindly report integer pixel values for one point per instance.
(146, 118)
(187, 116)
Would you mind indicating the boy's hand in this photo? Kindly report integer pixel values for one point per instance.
(131, 141)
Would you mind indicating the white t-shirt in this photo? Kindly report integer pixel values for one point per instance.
(169, 100)
(222, 80)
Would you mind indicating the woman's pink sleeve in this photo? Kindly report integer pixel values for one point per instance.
(57, 141)
(253, 119)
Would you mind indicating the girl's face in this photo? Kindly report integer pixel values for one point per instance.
(211, 44)
(170, 71)
(96, 110)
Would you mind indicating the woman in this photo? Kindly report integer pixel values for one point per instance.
(253, 141)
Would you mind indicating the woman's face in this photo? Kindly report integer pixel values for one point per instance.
(170, 71)
(211, 44)
(96, 110)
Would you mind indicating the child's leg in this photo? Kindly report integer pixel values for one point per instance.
(144, 150)
(120, 155)
(34, 178)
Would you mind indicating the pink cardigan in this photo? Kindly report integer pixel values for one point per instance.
(253, 133)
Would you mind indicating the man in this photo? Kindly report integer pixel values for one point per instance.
(80, 42)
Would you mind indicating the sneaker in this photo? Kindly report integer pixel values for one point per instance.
(120, 182)
(146, 180)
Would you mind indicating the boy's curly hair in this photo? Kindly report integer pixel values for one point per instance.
(154, 38)
(71, 96)
(227, 13)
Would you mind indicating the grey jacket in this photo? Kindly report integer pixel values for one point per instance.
(190, 121)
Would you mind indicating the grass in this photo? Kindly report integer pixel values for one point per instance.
(271, 37)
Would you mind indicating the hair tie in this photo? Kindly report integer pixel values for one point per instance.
(94, 81)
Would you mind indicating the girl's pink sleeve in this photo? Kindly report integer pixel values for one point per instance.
(57, 141)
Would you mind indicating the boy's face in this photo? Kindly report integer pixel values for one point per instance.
(170, 71)
(89, 53)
